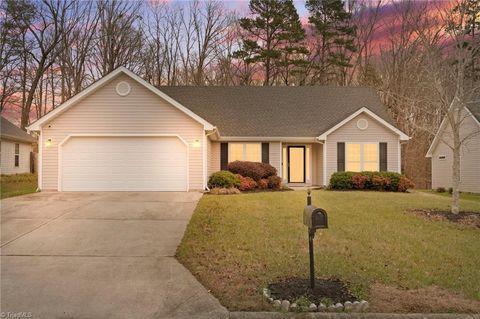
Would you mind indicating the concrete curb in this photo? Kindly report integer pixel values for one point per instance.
(324, 315)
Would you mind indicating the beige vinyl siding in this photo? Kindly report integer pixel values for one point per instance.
(469, 160)
(105, 112)
(213, 157)
(8, 157)
(375, 133)
(275, 156)
(317, 164)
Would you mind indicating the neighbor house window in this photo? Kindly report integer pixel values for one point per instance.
(245, 152)
(361, 157)
(17, 154)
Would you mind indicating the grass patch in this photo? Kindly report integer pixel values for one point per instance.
(468, 196)
(18, 184)
(235, 245)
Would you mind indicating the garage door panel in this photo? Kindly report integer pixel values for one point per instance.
(124, 164)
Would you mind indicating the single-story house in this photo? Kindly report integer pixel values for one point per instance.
(16, 149)
(121, 133)
(441, 153)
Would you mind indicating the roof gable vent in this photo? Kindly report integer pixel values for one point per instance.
(123, 88)
(362, 124)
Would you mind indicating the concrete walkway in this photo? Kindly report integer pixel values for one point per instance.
(99, 255)
(332, 315)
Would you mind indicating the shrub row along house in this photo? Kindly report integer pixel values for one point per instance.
(121, 133)
(16, 149)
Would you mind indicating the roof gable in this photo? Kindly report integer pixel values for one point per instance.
(100, 83)
(473, 110)
(403, 136)
(12, 132)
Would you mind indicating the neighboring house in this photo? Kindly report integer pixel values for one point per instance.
(121, 133)
(442, 154)
(16, 147)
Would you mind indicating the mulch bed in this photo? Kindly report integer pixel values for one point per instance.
(465, 218)
(293, 288)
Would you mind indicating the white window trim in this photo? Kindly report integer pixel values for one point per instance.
(15, 154)
(362, 162)
(244, 150)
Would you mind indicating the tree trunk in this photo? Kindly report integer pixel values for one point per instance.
(456, 171)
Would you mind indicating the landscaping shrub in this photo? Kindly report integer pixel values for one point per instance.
(246, 183)
(441, 190)
(18, 178)
(450, 190)
(405, 184)
(274, 182)
(359, 181)
(224, 191)
(341, 180)
(223, 179)
(268, 169)
(263, 183)
(380, 181)
(254, 170)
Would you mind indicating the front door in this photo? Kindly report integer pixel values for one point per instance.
(296, 164)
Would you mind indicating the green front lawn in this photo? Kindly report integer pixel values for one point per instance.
(470, 196)
(235, 245)
(18, 184)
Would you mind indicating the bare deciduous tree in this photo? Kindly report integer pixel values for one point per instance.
(455, 87)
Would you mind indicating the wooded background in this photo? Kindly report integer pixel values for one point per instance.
(51, 50)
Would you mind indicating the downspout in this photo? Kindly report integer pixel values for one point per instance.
(206, 137)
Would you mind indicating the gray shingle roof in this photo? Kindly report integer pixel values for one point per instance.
(305, 111)
(474, 107)
(12, 132)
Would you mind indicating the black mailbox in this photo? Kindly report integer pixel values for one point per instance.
(315, 218)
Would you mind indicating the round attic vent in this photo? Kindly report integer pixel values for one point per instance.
(123, 88)
(362, 124)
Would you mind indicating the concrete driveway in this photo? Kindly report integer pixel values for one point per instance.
(99, 255)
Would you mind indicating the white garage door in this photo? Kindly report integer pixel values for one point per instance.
(123, 164)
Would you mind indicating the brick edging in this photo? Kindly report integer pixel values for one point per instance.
(324, 315)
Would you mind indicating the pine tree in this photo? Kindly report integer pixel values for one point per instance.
(335, 36)
(272, 37)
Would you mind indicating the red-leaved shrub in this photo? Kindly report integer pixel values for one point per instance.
(404, 184)
(254, 170)
(263, 183)
(274, 182)
(359, 181)
(246, 183)
(380, 183)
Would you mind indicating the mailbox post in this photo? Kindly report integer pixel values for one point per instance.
(314, 218)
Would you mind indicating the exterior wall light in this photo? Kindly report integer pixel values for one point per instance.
(48, 143)
(196, 143)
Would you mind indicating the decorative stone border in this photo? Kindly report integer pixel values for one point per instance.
(285, 305)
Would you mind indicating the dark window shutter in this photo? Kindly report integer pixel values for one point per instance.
(223, 156)
(340, 157)
(383, 157)
(266, 153)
